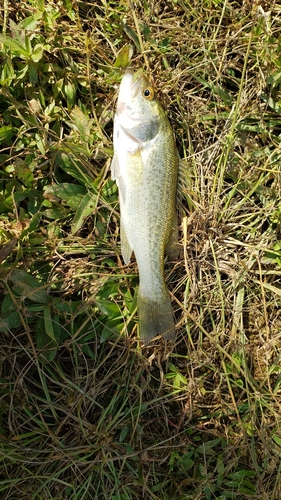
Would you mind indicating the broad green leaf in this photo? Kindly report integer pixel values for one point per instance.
(22, 73)
(225, 96)
(31, 22)
(57, 212)
(5, 205)
(44, 343)
(7, 72)
(248, 127)
(35, 308)
(123, 434)
(109, 188)
(101, 229)
(16, 48)
(8, 305)
(26, 286)
(217, 90)
(71, 194)
(85, 348)
(27, 42)
(69, 91)
(40, 144)
(33, 206)
(3, 159)
(172, 367)
(69, 307)
(109, 308)
(187, 463)
(124, 56)
(274, 79)
(277, 439)
(81, 122)
(132, 35)
(179, 380)
(33, 77)
(130, 302)
(273, 104)
(86, 207)
(37, 53)
(6, 133)
(207, 448)
(11, 321)
(50, 353)
(6, 249)
(24, 173)
(48, 324)
(110, 329)
(109, 289)
(74, 168)
(33, 224)
(68, 4)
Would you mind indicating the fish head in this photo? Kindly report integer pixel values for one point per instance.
(138, 110)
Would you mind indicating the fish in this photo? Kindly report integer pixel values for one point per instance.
(145, 168)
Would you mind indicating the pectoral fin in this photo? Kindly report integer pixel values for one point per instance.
(126, 250)
(115, 171)
(122, 189)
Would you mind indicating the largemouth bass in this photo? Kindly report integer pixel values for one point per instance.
(145, 166)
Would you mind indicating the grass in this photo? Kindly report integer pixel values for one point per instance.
(86, 413)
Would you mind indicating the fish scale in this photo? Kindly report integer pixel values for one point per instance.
(145, 166)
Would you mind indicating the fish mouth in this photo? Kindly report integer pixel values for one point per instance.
(129, 87)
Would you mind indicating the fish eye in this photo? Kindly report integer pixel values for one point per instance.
(148, 93)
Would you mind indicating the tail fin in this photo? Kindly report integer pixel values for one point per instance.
(155, 318)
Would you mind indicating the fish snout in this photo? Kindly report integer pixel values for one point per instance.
(120, 107)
